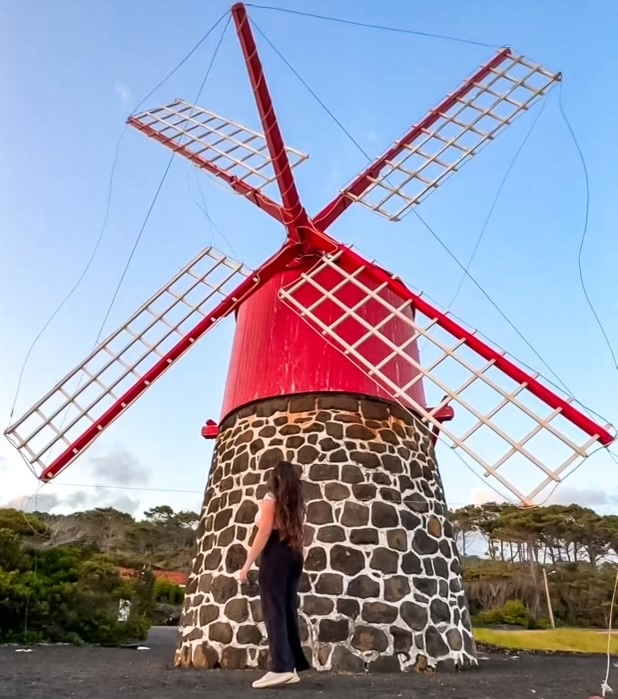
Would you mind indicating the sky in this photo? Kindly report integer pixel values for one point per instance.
(71, 72)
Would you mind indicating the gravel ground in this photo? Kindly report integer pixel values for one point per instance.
(103, 673)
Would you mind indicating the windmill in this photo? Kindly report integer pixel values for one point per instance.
(339, 366)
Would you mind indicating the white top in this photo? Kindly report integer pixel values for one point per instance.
(271, 498)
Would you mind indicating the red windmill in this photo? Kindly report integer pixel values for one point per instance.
(362, 375)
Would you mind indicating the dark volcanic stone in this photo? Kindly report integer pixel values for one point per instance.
(289, 430)
(336, 491)
(411, 564)
(294, 442)
(220, 631)
(237, 610)
(424, 544)
(205, 582)
(330, 631)
(234, 658)
(304, 584)
(402, 640)
(267, 432)
(339, 456)
(334, 430)
(324, 472)
(379, 613)
(364, 536)
(363, 586)
(354, 515)
(240, 463)
(369, 638)
(435, 644)
(383, 515)
(384, 560)
(409, 521)
(270, 458)
(396, 588)
(392, 463)
(372, 410)
(453, 638)
(256, 611)
(311, 491)
(381, 478)
(307, 454)
(414, 615)
(317, 606)
(364, 491)
(359, 432)
(385, 663)
(308, 535)
(389, 436)
(256, 445)
(426, 586)
(439, 611)
(390, 495)
(316, 559)
(212, 560)
(346, 560)
(441, 567)
(319, 512)
(434, 527)
(208, 613)
(268, 407)
(302, 404)
(338, 402)
(397, 539)
(249, 635)
(223, 588)
(235, 558)
(416, 503)
(351, 474)
(344, 660)
(331, 535)
(222, 519)
(328, 444)
(348, 607)
(365, 458)
(329, 584)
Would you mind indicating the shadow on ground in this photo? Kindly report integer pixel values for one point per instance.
(103, 673)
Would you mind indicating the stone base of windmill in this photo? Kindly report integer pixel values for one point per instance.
(382, 588)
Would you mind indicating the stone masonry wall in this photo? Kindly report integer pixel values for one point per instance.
(382, 588)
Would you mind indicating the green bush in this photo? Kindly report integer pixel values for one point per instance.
(513, 613)
(168, 593)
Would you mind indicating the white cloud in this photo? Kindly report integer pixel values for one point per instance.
(586, 497)
(119, 467)
(125, 94)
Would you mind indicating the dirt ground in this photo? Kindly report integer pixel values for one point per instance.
(101, 673)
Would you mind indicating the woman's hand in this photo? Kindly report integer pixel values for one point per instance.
(243, 575)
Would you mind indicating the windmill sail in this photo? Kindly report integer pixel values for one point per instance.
(520, 431)
(235, 154)
(447, 137)
(88, 399)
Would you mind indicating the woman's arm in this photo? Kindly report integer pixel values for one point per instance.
(264, 531)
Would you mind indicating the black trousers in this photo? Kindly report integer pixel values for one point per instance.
(280, 570)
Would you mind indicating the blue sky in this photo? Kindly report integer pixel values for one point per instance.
(71, 73)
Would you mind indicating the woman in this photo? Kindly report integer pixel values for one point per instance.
(280, 541)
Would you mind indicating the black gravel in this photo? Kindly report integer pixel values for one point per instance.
(55, 672)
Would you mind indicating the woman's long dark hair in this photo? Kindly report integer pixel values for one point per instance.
(285, 484)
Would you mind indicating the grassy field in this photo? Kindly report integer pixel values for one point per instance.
(562, 640)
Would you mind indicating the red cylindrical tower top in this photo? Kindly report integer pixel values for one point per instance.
(277, 353)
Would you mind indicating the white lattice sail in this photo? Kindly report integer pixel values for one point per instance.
(96, 392)
(208, 139)
(454, 132)
(522, 433)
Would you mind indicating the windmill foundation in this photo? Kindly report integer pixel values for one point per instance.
(382, 588)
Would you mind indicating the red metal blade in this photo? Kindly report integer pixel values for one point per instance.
(233, 153)
(511, 423)
(79, 408)
(446, 138)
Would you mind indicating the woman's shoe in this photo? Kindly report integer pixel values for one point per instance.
(276, 679)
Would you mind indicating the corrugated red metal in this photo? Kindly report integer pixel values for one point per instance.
(276, 353)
